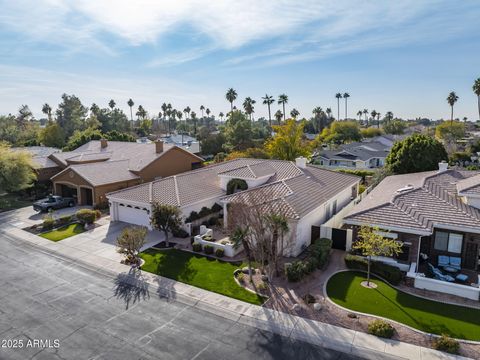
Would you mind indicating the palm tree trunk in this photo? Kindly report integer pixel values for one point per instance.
(368, 272)
(338, 109)
(478, 97)
(284, 112)
(451, 116)
(166, 238)
(345, 108)
(131, 114)
(270, 115)
(231, 107)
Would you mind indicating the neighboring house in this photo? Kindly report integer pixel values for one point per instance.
(386, 139)
(358, 155)
(307, 195)
(184, 141)
(102, 166)
(433, 213)
(45, 167)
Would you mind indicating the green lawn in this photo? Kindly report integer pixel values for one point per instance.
(12, 201)
(199, 271)
(430, 316)
(64, 232)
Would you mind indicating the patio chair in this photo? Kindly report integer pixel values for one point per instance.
(455, 262)
(437, 274)
(443, 260)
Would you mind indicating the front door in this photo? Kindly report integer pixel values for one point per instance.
(471, 256)
(339, 239)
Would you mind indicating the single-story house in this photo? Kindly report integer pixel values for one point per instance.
(433, 214)
(307, 195)
(358, 155)
(101, 166)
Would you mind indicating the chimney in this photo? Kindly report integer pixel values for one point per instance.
(442, 166)
(103, 143)
(158, 146)
(301, 162)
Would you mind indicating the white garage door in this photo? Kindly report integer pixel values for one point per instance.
(133, 215)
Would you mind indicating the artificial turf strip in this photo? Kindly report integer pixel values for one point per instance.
(200, 271)
(64, 232)
(430, 316)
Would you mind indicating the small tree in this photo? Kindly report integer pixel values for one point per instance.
(165, 218)
(372, 243)
(130, 242)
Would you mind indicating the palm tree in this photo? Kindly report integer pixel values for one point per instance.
(221, 115)
(279, 227)
(130, 103)
(201, 109)
(248, 106)
(329, 113)
(239, 238)
(111, 104)
(208, 112)
(452, 99)
(373, 114)
(317, 112)
(346, 96)
(476, 90)
(365, 112)
(338, 96)
(231, 96)
(194, 119)
(389, 116)
(141, 113)
(278, 115)
(359, 114)
(283, 99)
(465, 119)
(268, 100)
(187, 111)
(294, 113)
(378, 120)
(47, 110)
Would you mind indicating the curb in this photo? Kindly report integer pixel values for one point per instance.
(473, 342)
(291, 326)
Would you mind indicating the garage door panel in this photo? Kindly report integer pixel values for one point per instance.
(133, 216)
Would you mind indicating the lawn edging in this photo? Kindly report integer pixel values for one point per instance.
(384, 318)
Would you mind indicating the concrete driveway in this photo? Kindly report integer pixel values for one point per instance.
(26, 216)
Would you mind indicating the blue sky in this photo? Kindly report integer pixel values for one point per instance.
(403, 56)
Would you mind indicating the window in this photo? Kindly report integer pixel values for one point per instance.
(450, 242)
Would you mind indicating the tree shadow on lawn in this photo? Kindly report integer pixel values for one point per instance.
(131, 287)
(176, 265)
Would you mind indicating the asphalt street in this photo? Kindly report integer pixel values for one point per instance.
(52, 308)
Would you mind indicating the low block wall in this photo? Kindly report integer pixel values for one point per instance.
(228, 250)
(468, 292)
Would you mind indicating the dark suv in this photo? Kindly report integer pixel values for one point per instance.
(53, 202)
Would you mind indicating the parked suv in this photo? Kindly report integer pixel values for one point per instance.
(53, 202)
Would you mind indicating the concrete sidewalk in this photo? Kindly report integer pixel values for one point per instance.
(314, 332)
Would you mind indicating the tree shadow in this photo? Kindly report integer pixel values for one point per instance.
(131, 287)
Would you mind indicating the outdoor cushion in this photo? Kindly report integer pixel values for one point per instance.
(443, 260)
(448, 278)
(461, 277)
(455, 262)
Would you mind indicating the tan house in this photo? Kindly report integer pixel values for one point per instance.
(101, 166)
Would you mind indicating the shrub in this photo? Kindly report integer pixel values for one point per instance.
(295, 271)
(320, 250)
(204, 211)
(205, 223)
(86, 216)
(388, 272)
(361, 188)
(447, 344)
(197, 247)
(98, 214)
(216, 208)
(213, 221)
(262, 286)
(208, 249)
(180, 233)
(219, 252)
(460, 157)
(64, 219)
(241, 277)
(309, 298)
(381, 328)
(193, 216)
(48, 222)
(362, 173)
(236, 184)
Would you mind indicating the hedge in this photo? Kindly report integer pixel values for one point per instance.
(86, 216)
(204, 211)
(317, 257)
(388, 272)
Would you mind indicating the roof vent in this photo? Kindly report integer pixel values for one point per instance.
(404, 189)
(442, 166)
